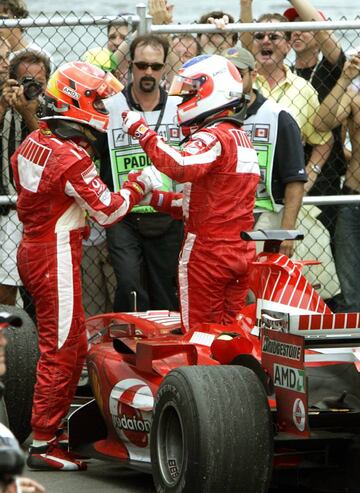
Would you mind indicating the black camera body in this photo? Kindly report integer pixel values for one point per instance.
(32, 88)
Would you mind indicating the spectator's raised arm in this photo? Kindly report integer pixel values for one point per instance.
(336, 107)
(246, 16)
(161, 11)
(328, 43)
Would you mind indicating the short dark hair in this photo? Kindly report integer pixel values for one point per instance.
(181, 36)
(17, 8)
(152, 40)
(30, 57)
(218, 14)
(124, 16)
(275, 17)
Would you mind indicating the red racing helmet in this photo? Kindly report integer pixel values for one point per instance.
(75, 92)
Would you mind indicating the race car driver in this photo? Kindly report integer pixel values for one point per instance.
(219, 168)
(57, 182)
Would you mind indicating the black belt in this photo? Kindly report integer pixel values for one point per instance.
(349, 191)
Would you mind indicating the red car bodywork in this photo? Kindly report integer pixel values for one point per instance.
(130, 355)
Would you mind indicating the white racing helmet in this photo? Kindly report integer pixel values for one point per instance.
(208, 84)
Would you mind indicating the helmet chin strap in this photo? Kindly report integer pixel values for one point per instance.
(237, 117)
(83, 135)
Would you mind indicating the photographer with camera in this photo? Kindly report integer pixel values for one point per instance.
(12, 459)
(29, 72)
(20, 102)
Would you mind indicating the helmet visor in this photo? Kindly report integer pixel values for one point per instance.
(109, 86)
(183, 85)
(99, 106)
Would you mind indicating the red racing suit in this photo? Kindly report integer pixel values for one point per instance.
(56, 182)
(220, 170)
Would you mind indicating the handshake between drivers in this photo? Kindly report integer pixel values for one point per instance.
(149, 178)
(145, 182)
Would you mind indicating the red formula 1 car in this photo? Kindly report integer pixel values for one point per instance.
(227, 408)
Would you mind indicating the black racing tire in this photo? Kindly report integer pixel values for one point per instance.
(352, 473)
(3, 413)
(22, 355)
(211, 432)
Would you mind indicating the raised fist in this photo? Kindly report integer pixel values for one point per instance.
(134, 124)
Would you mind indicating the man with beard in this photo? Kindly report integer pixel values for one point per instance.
(144, 249)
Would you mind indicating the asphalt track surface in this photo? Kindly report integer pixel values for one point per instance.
(109, 477)
(100, 477)
(103, 477)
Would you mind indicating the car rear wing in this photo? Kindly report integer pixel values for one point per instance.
(316, 328)
(332, 337)
(328, 325)
(272, 238)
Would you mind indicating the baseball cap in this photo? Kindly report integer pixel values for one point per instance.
(240, 57)
(102, 58)
(291, 14)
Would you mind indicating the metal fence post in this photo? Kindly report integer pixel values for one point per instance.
(148, 23)
(141, 12)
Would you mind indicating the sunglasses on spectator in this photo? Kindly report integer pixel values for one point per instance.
(271, 36)
(144, 66)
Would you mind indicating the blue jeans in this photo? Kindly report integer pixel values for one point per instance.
(347, 255)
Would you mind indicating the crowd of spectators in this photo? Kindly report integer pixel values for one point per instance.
(133, 264)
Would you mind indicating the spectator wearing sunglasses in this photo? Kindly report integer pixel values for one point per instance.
(277, 82)
(144, 249)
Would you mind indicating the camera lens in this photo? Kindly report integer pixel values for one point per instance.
(32, 88)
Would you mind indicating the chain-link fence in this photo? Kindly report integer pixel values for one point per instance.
(104, 41)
